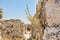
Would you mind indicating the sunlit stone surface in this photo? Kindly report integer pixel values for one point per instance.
(52, 33)
(53, 11)
(15, 28)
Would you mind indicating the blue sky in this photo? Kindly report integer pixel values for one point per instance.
(15, 9)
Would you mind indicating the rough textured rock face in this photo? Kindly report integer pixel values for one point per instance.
(49, 9)
(12, 28)
(41, 15)
(53, 11)
(52, 33)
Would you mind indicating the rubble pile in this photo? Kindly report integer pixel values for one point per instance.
(12, 29)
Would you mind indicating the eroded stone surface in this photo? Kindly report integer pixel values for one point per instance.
(52, 33)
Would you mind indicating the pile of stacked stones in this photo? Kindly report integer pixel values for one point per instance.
(12, 29)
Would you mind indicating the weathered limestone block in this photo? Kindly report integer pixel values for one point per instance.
(53, 11)
(52, 33)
